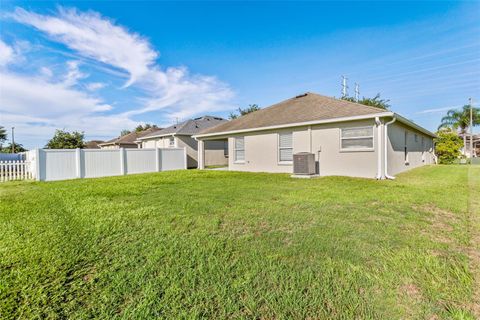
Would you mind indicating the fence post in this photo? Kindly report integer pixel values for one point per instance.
(78, 162)
(158, 165)
(122, 162)
(37, 164)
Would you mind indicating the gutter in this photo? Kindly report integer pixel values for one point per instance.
(387, 176)
(379, 148)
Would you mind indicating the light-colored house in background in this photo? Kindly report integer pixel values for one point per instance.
(127, 140)
(347, 139)
(180, 136)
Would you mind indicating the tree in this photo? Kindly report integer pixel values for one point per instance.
(373, 102)
(241, 112)
(3, 135)
(447, 146)
(146, 126)
(65, 140)
(124, 132)
(460, 120)
(8, 148)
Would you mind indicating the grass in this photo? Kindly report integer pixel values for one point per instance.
(215, 244)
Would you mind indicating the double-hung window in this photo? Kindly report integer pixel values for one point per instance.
(358, 138)
(239, 149)
(285, 147)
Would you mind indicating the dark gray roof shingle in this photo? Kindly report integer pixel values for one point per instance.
(189, 127)
(303, 108)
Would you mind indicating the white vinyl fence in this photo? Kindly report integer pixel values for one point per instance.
(15, 170)
(63, 164)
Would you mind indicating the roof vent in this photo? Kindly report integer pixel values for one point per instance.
(301, 95)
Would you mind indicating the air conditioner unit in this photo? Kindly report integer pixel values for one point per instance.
(304, 163)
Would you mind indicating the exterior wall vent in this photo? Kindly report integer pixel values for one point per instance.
(304, 163)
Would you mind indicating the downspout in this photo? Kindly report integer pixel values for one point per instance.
(387, 176)
(379, 148)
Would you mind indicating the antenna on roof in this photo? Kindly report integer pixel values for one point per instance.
(344, 87)
(176, 120)
(357, 91)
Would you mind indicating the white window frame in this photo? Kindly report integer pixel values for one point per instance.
(284, 148)
(359, 137)
(235, 150)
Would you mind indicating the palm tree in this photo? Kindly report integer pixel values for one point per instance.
(460, 120)
(3, 135)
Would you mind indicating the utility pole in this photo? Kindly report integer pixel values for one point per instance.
(344, 87)
(357, 91)
(471, 127)
(13, 139)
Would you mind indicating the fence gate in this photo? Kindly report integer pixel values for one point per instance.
(15, 170)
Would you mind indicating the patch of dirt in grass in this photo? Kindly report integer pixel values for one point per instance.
(441, 224)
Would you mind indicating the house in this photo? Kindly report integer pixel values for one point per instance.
(93, 144)
(127, 140)
(180, 136)
(347, 138)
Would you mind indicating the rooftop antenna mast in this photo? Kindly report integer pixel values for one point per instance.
(344, 87)
(357, 91)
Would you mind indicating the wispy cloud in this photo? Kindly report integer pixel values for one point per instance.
(96, 37)
(173, 89)
(6, 54)
(437, 110)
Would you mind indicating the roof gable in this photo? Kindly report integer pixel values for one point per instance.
(189, 127)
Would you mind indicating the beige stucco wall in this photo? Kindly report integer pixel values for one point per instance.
(214, 150)
(418, 155)
(261, 151)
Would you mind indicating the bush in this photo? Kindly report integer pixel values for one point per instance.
(447, 146)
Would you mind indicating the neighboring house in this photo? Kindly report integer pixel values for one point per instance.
(93, 144)
(127, 140)
(180, 136)
(347, 139)
(475, 145)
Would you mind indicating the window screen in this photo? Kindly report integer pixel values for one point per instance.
(285, 147)
(239, 149)
(357, 138)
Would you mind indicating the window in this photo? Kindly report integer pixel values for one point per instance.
(359, 138)
(405, 148)
(416, 138)
(285, 147)
(171, 142)
(240, 149)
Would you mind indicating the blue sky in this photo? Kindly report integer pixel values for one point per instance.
(101, 67)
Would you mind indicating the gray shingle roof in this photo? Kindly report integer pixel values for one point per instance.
(189, 127)
(303, 108)
(131, 137)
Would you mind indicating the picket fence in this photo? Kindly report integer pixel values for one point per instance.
(15, 170)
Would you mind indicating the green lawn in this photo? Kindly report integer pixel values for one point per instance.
(216, 244)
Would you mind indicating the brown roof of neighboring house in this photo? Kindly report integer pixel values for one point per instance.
(303, 108)
(93, 144)
(130, 138)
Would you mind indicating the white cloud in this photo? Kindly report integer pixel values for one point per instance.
(95, 37)
(93, 86)
(74, 74)
(173, 90)
(6, 54)
(48, 101)
(37, 107)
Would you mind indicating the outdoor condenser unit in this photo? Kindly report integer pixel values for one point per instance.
(304, 163)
